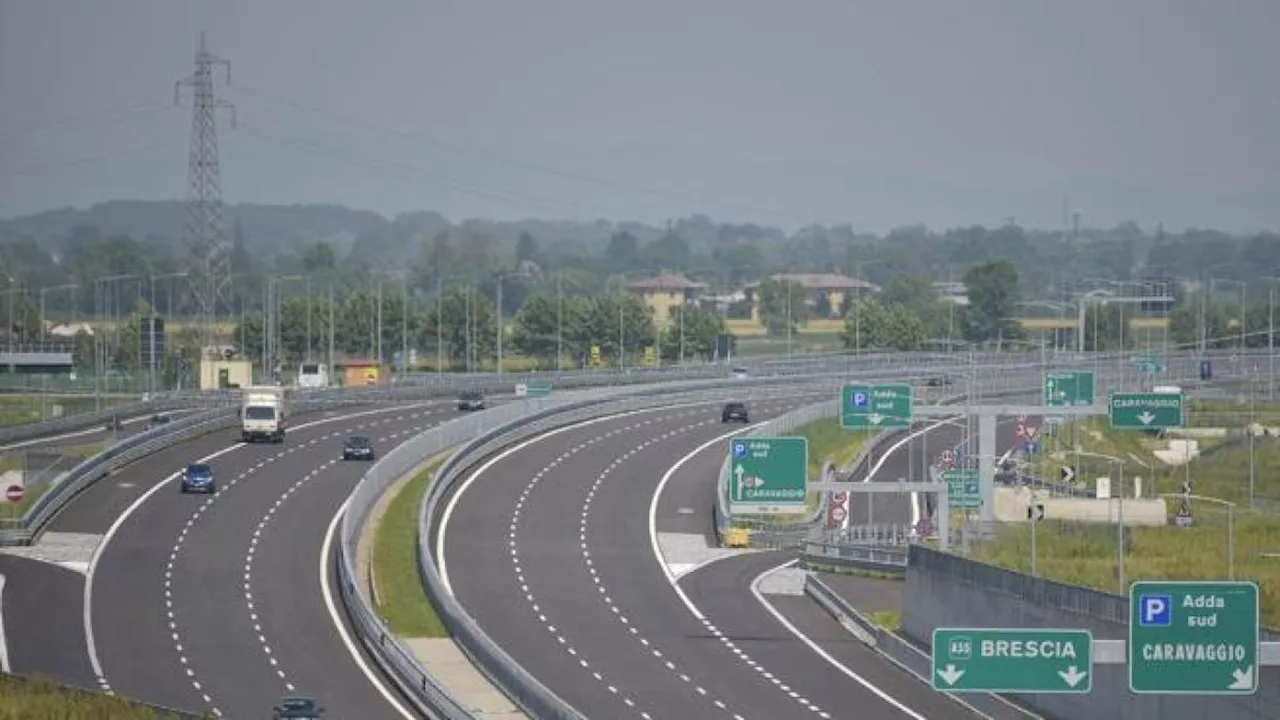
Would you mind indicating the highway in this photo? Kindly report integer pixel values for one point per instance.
(217, 604)
(240, 571)
(586, 607)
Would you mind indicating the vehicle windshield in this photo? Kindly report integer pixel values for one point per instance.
(199, 471)
(258, 412)
(471, 395)
(358, 441)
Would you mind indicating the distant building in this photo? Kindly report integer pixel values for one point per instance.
(825, 293)
(953, 292)
(667, 291)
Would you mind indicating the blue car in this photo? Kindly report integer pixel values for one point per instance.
(198, 477)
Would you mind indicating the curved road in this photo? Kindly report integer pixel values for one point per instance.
(589, 610)
(216, 603)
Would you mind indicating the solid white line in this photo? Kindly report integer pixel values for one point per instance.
(325, 571)
(442, 533)
(672, 580)
(755, 590)
(4, 644)
(90, 645)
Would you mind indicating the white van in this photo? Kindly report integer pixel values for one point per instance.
(313, 375)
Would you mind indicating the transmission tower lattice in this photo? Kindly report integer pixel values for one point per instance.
(206, 228)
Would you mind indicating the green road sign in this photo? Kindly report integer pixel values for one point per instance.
(539, 388)
(1193, 638)
(768, 475)
(1143, 411)
(1148, 363)
(1012, 660)
(1068, 388)
(964, 491)
(875, 406)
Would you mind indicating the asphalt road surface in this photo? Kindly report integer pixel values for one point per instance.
(215, 603)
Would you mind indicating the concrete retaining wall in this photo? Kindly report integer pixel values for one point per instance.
(944, 590)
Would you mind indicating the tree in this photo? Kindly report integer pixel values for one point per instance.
(83, 355)
(536, 330)
(614, 318)
(1185, 325)
(467, 323)
(775, 309)
(917, 294)
(871, 324)
(691, 332)
(526, 248)
(993, 301)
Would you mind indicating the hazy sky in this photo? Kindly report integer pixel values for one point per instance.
(874, 113)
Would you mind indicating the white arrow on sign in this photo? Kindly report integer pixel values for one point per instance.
(1243, 679)
(1146, 417)
(1072, 676)
(950, 674)
(1068, 473)
(875, 419)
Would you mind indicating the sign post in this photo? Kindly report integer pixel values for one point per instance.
(964, 490)
(1068, 388)
(1145, 411)
(768, 475)
(1193, 638)
(866, 407)
(1012, 660)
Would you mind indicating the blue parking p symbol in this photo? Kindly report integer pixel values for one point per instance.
(1155, 610)
(860, 399)
(739, 450)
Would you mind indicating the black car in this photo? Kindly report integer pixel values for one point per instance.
(296, 707)
(734, 411)
(357, 448)
(471, 400)
(939, 381)
(158, 420)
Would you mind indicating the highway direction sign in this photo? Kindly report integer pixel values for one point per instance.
(1193, 638)
(539, 388)
(768, 475)
(1068, 388)
(1145, 410)
(964, 491)
(1012, 660)
(875, 406)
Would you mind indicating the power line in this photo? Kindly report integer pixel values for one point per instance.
(35, 170)
(84, 122)
(311, 146)
(539, 168)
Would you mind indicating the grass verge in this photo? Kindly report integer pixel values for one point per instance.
(28, 699)
(887, 619)
(402, 603)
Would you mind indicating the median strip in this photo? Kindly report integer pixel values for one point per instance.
(396, 588)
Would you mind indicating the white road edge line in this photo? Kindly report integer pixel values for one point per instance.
(90, 645)
(4, 643)
(442, 533)
(325, 567)
(817, 649)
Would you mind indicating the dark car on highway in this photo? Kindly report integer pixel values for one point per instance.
(198, 477)
(296, 707)
(735, 411)
(471, 400)
(357, 447)
(939, 381)
(158, 420)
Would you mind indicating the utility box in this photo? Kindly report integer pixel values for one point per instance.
(223, 374)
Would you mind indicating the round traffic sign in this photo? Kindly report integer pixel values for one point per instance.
(840, 498)
(14, 493)
(838, 513)
(924, 528)
(948, 456)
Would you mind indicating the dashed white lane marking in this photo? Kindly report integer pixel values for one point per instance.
(645, 645)
(193, 520)
(414, 412)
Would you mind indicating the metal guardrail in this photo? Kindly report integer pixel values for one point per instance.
(899, 651)
(482, 433)
(891, 560)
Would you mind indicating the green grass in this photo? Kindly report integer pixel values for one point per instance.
(887, 619)
(1233, 414)
(402, 603)
(23, 699)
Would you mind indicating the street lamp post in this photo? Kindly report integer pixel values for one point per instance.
(500, 277)
(151, 351)
(45, 291)
(857, 315)
(101, 287)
